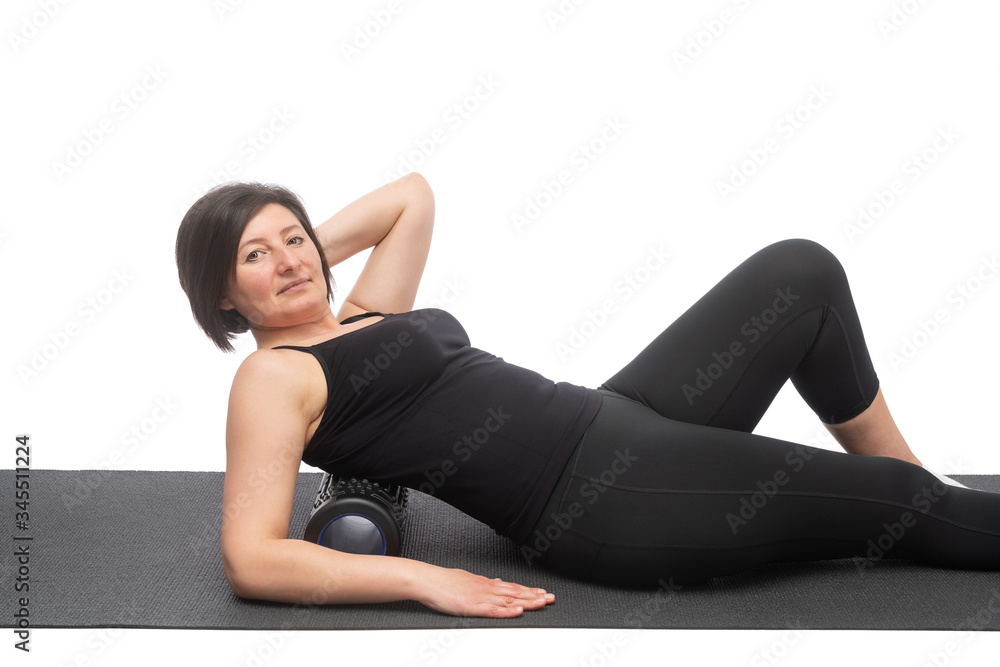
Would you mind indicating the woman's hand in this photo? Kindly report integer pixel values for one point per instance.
(461, 593)
(397, 220)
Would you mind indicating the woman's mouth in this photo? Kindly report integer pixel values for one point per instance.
(294, 285)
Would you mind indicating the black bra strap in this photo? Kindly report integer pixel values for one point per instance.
(346, 321)
(362, 315)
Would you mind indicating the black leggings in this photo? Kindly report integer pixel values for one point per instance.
(669, 482)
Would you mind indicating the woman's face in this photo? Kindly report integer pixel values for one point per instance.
(274, 254)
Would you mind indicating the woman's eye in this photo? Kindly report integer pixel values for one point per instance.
(299, 238)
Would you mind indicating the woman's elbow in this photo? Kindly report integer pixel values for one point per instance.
(242, 578)
(421, 190)
(418, 178)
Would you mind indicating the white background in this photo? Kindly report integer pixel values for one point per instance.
(93, 193)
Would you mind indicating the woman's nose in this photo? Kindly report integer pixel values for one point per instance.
(287, 259)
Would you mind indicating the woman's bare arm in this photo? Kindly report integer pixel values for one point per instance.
(265, 433)
(306, 573)
(398, 220)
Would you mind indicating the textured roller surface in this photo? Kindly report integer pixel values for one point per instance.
(381, 515)
(141, 549)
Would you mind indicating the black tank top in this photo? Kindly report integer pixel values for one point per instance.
(411, 402)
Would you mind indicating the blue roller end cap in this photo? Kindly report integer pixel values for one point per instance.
(353, 533)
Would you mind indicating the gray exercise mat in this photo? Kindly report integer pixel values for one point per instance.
(133, 548)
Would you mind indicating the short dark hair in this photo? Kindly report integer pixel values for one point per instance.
(206, 246)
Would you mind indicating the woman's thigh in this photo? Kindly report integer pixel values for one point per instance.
(786, 312)
(647, 498)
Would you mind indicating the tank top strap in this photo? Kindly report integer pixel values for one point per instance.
(346, 321)
(363, 315)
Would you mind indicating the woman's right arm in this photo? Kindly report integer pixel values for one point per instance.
(265, 432)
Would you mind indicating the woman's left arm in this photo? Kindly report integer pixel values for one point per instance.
(397, 219)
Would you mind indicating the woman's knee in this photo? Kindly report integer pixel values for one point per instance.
(806, 265)
(804, 254)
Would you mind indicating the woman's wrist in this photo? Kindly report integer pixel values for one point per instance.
(415, 576)
(363, 223)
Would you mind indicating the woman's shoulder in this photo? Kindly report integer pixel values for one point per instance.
(270, 369)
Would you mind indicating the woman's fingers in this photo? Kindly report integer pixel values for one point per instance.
(513, 596)
(465, 594)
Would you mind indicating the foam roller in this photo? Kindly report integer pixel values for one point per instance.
(358, 516)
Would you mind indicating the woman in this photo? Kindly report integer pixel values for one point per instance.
(653, 475)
